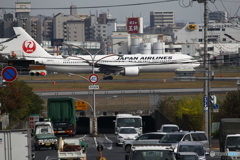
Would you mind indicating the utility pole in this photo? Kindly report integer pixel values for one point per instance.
(206, 86)
(207, 113)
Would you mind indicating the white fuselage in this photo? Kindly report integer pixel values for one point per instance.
(145, 63)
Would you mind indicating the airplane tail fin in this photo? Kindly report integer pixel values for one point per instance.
(29, 47)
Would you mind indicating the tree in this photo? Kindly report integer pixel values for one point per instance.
(168, 107)
(191, 106)
(230, 107)
(19, 101)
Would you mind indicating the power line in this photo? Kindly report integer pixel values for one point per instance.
(108, 6)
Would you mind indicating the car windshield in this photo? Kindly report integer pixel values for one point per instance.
(171, 138)
(192, 148)
(188, 157)
(170, 129)
(128, 131)
(152, 155)
(233, 142)
(129, 122)
(151, 136)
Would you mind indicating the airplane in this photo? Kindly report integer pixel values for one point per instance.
(126, 65)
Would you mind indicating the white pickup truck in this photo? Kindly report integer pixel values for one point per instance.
(72, 148)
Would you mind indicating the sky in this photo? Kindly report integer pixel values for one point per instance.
(185, 10)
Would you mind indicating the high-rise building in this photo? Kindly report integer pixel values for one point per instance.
(161, 18)
(22, 19)
(218, 16)
(68, 27)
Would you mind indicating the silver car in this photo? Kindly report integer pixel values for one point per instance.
(147, 138)
(196, 147)
(174, 137)
(188, 156)
(200, 136)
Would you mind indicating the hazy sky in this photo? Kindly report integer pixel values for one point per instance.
(185, 10)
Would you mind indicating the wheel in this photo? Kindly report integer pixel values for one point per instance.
(36, 148)
(128, 148)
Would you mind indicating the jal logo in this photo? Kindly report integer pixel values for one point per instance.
(29, 46)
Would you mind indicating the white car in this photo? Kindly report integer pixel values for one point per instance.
(126, 133)
(169, 128)
(151, 138)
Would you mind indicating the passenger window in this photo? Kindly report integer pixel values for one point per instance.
(199, 136)
(187, 138)
(143, 137)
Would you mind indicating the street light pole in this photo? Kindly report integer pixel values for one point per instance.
(93, 63)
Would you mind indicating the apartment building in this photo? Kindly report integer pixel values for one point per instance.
(161, 18)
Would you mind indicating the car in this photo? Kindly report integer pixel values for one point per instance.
(192, 146)
(168, 128)
(147, 138)
(188, 156)
(200, 136)
(126, 133)
(174, 138)
(51, 158)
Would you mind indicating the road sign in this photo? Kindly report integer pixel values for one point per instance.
(93, 78)
(93, 86)
(33, 118)
(99, 148)
(80, 105)
(205, 103)
(216, 106)
(9, 74)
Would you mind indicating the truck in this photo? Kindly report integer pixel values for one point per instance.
(16, 144)
(229, 129)
(152, 152)
(128, 120)
(44, 137)
(72, 148)
(62, 113)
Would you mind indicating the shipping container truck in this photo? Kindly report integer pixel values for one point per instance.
(74, 149)
(16, 145)
(229, 129)
(62, 113)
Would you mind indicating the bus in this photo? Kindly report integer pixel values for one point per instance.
(128, 120)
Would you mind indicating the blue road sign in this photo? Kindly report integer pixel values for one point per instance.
(205, 101)
(216, 106)
(9, 74)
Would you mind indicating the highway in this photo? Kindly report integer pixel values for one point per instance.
(183, 91)
(111, 151)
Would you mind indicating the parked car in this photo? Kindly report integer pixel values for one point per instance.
(174, 137)
(188, 156)
(196, 147)
(147, 138)
(169, 128)
(126, 133)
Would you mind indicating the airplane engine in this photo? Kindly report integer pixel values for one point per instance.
(131, 71)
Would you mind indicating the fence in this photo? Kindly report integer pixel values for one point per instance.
(139, 103)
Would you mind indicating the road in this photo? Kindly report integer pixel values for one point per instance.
(111, 151)
(220, 90)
